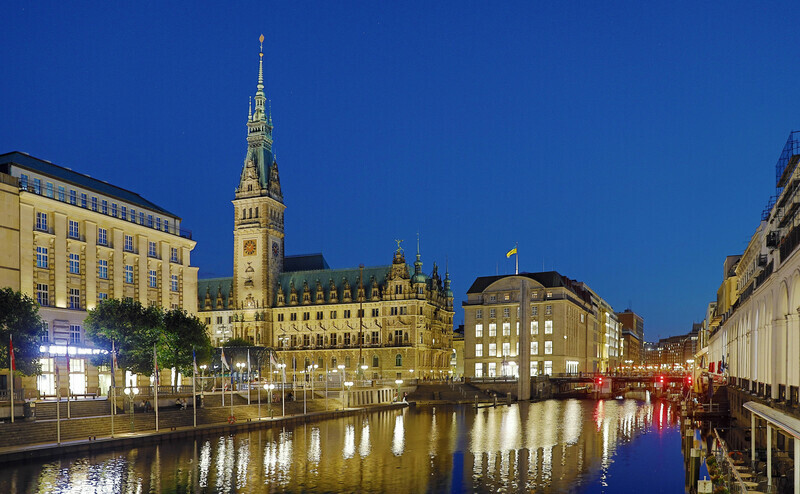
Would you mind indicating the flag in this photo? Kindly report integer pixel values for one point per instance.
(68, 369)
(272, 361)
(248, 363)
(511, 252)
(113, 365)
(194, 361)
(11, 353)
(155, 366)
(224, 363)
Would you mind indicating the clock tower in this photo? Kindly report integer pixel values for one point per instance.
(258, 221)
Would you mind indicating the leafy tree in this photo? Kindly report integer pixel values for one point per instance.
(183, 333)
(133, 328)
(19, 318)
(237, 342)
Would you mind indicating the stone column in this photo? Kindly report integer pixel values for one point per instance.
(524, 357)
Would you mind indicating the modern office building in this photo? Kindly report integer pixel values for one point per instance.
(390, 321)
(571, 328)
(71, 241)
(632, 337)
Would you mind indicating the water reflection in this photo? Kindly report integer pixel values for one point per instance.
(553, 446)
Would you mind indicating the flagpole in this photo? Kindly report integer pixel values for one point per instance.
(155, 382)
(58, 404)
(113, 385)
(516, 257)
(249, 379)
(11, 373)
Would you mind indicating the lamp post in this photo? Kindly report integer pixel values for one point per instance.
(398, 382)
(269, 387)
(347, 385)
(282, 368)
(363, 373)
(131, 392)
(311, 369)
(344, 375)
(240, 365)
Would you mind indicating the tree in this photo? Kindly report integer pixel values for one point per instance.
(237, 342)
(133, 328)
(183, 333)
(19, 318)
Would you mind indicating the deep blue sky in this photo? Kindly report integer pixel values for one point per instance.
(630, 145)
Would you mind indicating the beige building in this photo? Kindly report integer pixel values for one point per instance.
(571, 328)
(71, 241)
(395, 324)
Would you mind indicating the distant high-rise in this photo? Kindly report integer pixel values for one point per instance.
(632, 336)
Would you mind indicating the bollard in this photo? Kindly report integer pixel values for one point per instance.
(495, 400)
(694, 466)
(476, 402)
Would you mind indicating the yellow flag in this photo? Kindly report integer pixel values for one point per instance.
(511, 252)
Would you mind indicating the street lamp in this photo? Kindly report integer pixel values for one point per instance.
(282, 367)
(398, 382)
(131, 392)
(341, 367)
(269, 387)
(411, 371)
(363, 373)
(348, 384)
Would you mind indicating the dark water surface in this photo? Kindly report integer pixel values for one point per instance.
(552, 446)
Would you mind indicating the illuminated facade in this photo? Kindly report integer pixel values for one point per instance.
(571, 329)
(391, 319)
(72, 241)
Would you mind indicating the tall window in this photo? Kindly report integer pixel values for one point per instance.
(133, 215)
(83, 200)
(151, 278)
(62, 193)
(23, 182)
(151, 249)
(479, 314)
(41, 221)
(166, 225)
(102, 236)
(492, 329)
(479, 330)
(129, 243)
(141, 218)
(94, 204)
(548, 327)
(506, 329)
(479, 350)
(548, 367)
(492, 349)
(506, 349)
(104, 206)
(158, 223)
(506, 312)
(534, 327)
(479, 369)
(74, 298)
(41, 257)
(102, 265)
(150, 220)
(49, 192)
(535, 310)
(173, 254)
(398, 360)
(102, 296)
(548, 347)
(173, 284)
(548, 309)
(492, 313)
(42, 294)
(128, 273)
(37, 186)
(492, 369)
(534, 348)
(534, 368)
(123, 212)
(74, 229)
(75, 263)
(74, 333)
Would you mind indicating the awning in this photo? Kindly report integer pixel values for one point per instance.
(782, 421)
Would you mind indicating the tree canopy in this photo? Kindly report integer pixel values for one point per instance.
(19, 318)
(136, 330)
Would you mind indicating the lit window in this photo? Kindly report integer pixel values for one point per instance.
(479, 369)
(506, 329)
(534, 348)
(492, 329)
(548, 347)
(548, 367)
(492, 349)
(75, 263)
(74, 334)
(506, 349)
(492, 369)
(479, 330)
(548, 327)
(479, 350)
(41, 257)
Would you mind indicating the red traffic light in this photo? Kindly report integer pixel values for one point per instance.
(661, 379)
(600, 380)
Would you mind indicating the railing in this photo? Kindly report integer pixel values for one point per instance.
(9, 180)
(735, 481)
(5, 395)
(171, 229)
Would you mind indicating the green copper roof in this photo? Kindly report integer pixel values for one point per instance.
(213, 286)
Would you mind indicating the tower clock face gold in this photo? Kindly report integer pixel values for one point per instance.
(249, 247)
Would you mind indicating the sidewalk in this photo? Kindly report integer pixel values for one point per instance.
(94, 433)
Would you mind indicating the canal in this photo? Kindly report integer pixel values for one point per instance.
(552, 446)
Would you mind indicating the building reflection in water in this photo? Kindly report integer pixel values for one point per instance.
(551, 445)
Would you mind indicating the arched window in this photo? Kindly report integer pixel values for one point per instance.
(256, 211)
(398, 360)
(244, 214)
(375, 362)
(251, 213)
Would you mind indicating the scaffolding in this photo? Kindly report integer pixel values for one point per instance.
(788, 160)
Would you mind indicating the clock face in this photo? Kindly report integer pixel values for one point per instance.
(275, 249)
(249, 247)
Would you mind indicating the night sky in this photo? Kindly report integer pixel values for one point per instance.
(631, 146)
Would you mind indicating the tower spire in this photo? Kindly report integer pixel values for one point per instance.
(261, 63)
